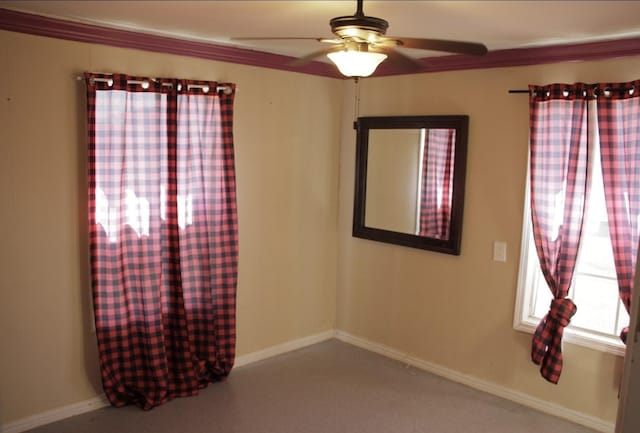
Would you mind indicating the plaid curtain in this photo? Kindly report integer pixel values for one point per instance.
(558, 145)
(163, 235)
(618, 108)
(436, 183)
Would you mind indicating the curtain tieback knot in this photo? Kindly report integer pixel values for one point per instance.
(546, 347)
(624, 334)
(562, 310)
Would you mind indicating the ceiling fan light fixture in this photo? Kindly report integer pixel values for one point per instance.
(352, 63)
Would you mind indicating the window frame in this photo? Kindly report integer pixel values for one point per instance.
(525, 321)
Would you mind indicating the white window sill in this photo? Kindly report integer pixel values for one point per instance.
(579, 337)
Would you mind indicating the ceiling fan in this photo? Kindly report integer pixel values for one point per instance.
(361, 45)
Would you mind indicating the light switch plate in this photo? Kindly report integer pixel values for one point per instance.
(499, 251)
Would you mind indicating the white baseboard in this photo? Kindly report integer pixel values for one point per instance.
(279, 349)
(101, 401)
(54, 415)
(488, 387)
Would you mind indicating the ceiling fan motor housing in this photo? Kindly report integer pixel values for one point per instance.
(364, 28)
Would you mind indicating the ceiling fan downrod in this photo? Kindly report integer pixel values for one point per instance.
(359, 26)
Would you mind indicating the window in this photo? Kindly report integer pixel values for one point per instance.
(600, 316)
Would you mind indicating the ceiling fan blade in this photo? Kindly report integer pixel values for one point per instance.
(400, 60)
(309, 57)
(331, 41)
(441, 45)
(275, 38)
(286, 38)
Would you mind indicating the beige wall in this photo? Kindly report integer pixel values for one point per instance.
(286, 140)
(393, 161)
(457, 312)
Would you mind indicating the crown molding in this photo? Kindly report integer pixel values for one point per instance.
(62, 29)
(598, 50)
(81, 32)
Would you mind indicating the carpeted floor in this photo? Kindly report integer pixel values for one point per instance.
(328, 387)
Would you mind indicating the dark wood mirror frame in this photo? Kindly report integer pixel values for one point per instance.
(364, 124)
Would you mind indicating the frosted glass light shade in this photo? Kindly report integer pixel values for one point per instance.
(356, 63)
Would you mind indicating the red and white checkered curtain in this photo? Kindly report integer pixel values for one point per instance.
(163, 235)
(618, 107)
(558, 170)
(437, 183)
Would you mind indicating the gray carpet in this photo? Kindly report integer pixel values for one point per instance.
(328, 387)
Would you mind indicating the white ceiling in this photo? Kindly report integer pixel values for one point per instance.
(497, 24)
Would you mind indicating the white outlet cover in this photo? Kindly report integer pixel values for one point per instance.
(500, 251)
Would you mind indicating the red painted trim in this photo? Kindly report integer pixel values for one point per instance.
(527, 56)
(62, 29)
(51, 27)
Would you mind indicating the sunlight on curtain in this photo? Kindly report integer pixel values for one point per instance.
(163, 235)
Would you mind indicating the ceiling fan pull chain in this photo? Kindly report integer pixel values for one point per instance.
(356, 107)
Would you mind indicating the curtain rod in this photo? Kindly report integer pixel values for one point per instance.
(594, 86)
(225, 89)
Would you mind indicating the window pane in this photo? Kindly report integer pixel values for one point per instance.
(623, 318)
(597, 300)
(596, 253)
(543, 295)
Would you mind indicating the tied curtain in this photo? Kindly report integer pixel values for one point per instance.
(618, 111)
(558, 181)
(163, 235)
(558, 176)
(436, 185)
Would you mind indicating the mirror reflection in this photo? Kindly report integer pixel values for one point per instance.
(410, 180)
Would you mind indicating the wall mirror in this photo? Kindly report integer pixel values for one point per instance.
(410, 176)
